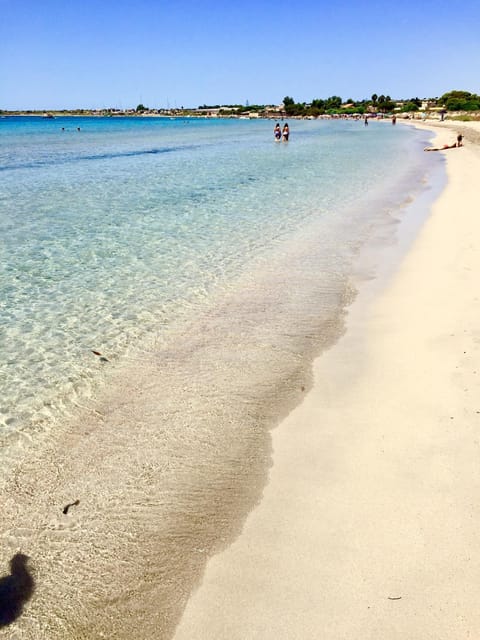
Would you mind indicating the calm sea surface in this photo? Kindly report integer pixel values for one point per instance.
(207, 265)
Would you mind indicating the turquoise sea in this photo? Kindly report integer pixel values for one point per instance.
(206, 265)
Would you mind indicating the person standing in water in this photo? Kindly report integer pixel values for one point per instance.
(277, 132)
(286, 132)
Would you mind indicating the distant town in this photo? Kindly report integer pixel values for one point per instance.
(462, 102)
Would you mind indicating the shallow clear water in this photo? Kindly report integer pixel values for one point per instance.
(208, 265)
(111, 232)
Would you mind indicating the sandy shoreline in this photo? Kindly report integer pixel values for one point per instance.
(368, 527)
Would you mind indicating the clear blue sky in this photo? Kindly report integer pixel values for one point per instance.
(105, 53)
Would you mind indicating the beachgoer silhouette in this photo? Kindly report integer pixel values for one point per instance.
(459, 140)
(285, 132)
(15, 590)
(277, 132)
(366, 121)
(445, 146)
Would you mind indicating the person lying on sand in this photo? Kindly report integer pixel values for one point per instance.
(458, 143)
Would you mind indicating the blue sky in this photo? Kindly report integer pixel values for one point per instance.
(64, 54)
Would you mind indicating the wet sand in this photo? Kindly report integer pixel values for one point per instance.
(368, 527)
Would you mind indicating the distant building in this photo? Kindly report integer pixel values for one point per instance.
(272, 111)
(428, 104)
(208, 112)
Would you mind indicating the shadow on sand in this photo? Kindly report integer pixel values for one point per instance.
(15, 590)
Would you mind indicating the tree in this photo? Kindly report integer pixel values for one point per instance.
(409, 106)
(289, 105)
(461, 101)
(374, 98)
(140, 108)
(318, 103)
(385, 104)
(334, 102)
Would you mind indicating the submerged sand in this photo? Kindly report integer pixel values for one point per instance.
(368, 527)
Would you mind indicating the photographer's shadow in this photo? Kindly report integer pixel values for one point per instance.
(15, 589)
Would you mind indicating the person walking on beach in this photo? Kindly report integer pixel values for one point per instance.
(277, 132)
(286, 132)
(366, 121)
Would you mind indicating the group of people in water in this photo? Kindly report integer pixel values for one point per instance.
(281, 134)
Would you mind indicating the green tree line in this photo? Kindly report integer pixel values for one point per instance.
(460, 101)
(451, 101)
(333, 104)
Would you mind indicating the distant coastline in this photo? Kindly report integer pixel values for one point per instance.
(457, 105)
(269, 114)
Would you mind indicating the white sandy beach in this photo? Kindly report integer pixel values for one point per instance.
(369, 526)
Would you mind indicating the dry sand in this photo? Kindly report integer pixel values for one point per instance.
(370, 525)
